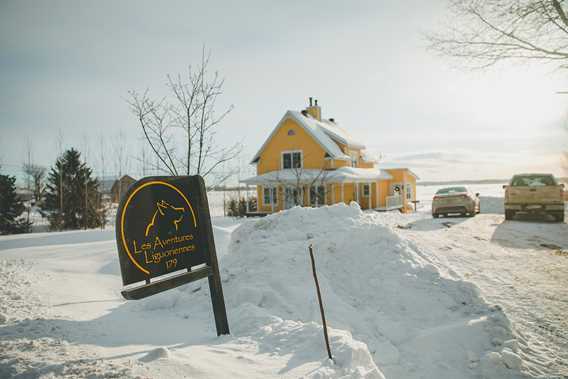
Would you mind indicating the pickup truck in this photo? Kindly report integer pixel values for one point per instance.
(534, 193)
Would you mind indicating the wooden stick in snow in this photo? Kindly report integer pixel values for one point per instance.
(320, 303)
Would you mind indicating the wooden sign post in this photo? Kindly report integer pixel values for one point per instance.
(165, 239)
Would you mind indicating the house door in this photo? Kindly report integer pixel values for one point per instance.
(291, 197)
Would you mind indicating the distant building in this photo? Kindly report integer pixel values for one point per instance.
(119, 187)
(105, 185)
(24, 194)
(308, 160)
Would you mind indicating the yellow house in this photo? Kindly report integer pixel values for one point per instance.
(311, 161)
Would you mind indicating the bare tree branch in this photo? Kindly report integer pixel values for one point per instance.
(483, 33)
(190, 110)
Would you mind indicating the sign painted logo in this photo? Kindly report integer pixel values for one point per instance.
(157, 230)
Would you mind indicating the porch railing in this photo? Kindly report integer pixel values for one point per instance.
(394, 202)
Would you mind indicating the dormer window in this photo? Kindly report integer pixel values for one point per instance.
(291, 159)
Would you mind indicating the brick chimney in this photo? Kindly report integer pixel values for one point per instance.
(314, 109)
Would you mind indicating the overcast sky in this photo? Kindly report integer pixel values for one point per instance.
(69, 65)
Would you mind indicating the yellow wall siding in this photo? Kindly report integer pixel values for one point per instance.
(364, 164)
(337, 163)
(313, 153)
(271, 158)
(314, 158)
(383, 192)
(404, 176)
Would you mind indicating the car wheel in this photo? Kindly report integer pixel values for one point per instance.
(472, 214)
(509, 215)
(559, 217)
(435, 215)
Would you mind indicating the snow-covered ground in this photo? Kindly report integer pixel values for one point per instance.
(406, 296)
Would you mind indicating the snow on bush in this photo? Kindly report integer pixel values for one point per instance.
(389, 309)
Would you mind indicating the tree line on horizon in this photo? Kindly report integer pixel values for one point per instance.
(69, 197)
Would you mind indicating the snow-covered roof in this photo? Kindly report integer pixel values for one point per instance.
(338, 134)
(387, 166)
(343, 174)
(367, 157)
(360, 174)
(324, 133)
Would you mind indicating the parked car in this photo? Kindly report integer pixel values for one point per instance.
(455, 200)
(534, 193)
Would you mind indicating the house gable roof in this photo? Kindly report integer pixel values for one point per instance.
(338, 134)
(393, 167)
(314, 129)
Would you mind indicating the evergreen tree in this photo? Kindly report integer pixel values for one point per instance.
(11, 207)
(72, 199)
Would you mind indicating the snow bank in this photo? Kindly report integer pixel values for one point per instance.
(389, 310)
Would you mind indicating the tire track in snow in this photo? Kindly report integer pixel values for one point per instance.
(510, 267)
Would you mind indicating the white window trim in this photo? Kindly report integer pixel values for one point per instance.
(291, 158)
(274, 195)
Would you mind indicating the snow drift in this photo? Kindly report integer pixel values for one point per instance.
(390, 311)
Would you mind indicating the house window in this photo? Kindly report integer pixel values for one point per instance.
(292, 159)
(366, 190)
(317, 196)
(408, 192)
(267, 196)
(291, 132)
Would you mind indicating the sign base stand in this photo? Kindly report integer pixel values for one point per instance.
(165, 284)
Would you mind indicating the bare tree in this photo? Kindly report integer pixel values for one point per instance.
(483, 33)
(28, 163)
(191, 111)
(36, 176)
(102, 154)
(121, 160)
